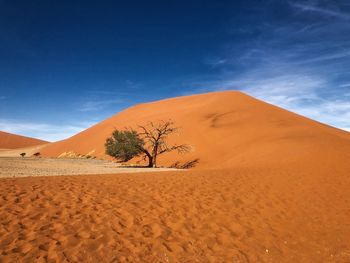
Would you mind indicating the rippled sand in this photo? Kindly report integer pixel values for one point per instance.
(197, 216)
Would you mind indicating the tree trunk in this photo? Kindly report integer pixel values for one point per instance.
(150, 161)
(150, 158)
(154, 155)
(154, 161)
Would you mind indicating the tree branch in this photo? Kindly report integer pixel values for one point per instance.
(183, 148)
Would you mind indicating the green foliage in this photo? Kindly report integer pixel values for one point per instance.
(124, 145)
(150, 142)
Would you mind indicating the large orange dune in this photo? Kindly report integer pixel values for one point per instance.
(226, 129)
(13, 141)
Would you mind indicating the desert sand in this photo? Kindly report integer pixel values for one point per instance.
(196, 216)
(29, 151)
(24, 167)
(270, 186)
(13, 141)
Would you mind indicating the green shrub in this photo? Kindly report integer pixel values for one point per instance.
(124, 145)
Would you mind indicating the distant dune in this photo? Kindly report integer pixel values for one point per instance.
(14, 141)
(226, 129)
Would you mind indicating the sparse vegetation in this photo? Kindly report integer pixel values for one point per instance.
(37, 154)
(74, 155)
(150, 141)
(124, 145)
(22, 154)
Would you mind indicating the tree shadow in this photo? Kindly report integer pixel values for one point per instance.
(187, 165)
(134, 166)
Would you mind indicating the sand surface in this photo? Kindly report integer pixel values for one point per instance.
(225, 129)
(22, 167)
(13, 141)
(194, 216)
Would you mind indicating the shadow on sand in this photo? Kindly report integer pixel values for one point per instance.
(186, 165)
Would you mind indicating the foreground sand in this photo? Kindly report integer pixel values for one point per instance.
(194, 216)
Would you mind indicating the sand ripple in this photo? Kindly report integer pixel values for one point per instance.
(199, 216)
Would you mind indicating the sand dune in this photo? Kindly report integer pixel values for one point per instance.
(226, 129)
(13, 141)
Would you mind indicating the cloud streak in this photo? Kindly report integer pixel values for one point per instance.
(44, 131)
(96, 105)
(320, 10)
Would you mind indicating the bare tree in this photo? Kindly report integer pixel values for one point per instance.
(150, 141)
(155, 136)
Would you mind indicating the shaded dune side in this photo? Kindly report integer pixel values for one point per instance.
(14, 141)
(226, 129)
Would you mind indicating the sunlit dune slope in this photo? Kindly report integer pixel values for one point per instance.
(226, 129)
(13, 141)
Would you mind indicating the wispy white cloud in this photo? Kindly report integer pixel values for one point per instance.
(216, 61)
(44, 131)
(345, 85)
(95, 105)
(100, 99)
(320, 10)
(132, 85)
(337, 54)
(300, 94)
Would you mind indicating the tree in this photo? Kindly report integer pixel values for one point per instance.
(150, 142)
(22, 154)
(37, 154)
(155, 136)
(124, 145)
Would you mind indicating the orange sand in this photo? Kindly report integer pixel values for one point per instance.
(197, 216)
(226, 129)
(13, 141)
(270, 186)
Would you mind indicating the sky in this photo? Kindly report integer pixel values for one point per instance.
(66, 65)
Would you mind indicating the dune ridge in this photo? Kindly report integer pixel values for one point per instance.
(13, 141)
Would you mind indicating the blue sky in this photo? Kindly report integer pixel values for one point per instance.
(65, 65)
